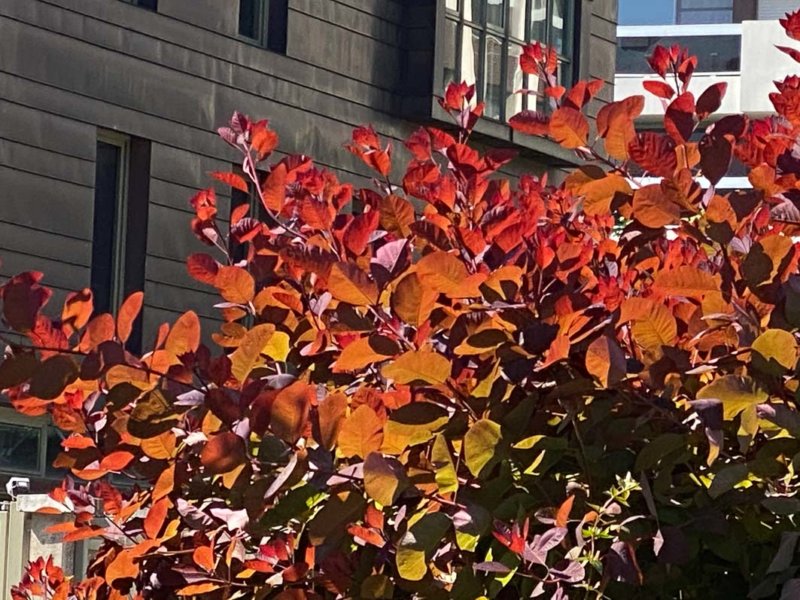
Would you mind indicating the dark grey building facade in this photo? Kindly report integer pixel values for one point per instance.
(108, 113)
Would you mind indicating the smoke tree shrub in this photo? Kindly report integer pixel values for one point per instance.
(467, 388)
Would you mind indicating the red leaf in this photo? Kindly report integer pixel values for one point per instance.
(659, 88)
(791, 23)
(795, 54)
(235, 181)
(679, 120)
(531, 122)
(263, 139)
(710, 100)
(358, 232)
(78, 308)
(203, 268)
(204, 203)
(655, 153)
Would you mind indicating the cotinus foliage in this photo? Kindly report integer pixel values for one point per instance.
(468, 387)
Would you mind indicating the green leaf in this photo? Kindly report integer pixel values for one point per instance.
(417, 545)
(727, 478)
(446, 477)
(480, 445)
(377, 587)
(384, 479)
(736, 394)
(659, 449)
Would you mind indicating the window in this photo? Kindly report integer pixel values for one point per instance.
(265, 21)
(24, 444)
(685, 12)
(148, 4)
(705, 11)
(119, 242)
(483, 40)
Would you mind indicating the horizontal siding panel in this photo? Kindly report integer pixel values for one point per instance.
(169, 234)
(47, 205)
(43, 130)
(42, 162)
(178, 299)
(347, 17)
(56, 273)
(44, 245)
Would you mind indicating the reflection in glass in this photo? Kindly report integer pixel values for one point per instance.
(649, 12)
(19, 447)
(452, 5)
(54, 437)
(449, 60)
(495, 13)
(473, 10)
(560, 26)
(493, 78)
(539, 20)
(516, 19)
(470, 55)
(514, 81)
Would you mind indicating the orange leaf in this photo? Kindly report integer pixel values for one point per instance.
(350, 284)
(361, 433)
(203, 557)
(569, 127)
(331, 413)
(155, 518)
(223, 453)
(289, 412)
(446, 274)
(358, 232)
(127, 314)
(165, 483)
(606, 361)
(100, 329)
(78, 308)
(161, 447)
(364, 352)
(653, 206)
(122, 566)
(688, 282)
(237, 182)
(184, 337)
(562, 516)
(116, 461)
(198, 589)
(235, 284)
(273, 192)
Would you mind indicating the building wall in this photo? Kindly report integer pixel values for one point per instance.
(70, 67)
(775, 9)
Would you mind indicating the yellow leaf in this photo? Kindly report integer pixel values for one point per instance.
(418, 366)
(248, 355)
(361, 433)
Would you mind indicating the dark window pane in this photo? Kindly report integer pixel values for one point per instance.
(249, 18)
(151, 4)
(449, 60)
(493, 77)
(54, 437)
(106, 193)
(717, 53)
(19, 448)
(277, 25)
(495, 13)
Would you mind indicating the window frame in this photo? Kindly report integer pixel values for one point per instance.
(508, 40)
(679, 11)
(271, 25)
(120, 232)
(9, 416)
(138, 4)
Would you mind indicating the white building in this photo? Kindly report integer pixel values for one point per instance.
(734, 41)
